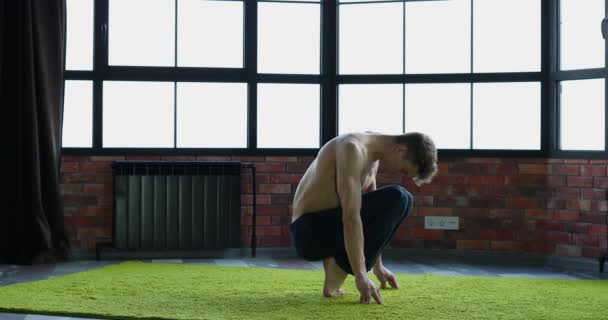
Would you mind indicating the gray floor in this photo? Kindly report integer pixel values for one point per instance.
(451, 266)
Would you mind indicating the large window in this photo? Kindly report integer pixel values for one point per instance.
(286, 76)
(582, 76)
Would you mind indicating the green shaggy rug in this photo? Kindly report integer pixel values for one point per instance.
(138, 290)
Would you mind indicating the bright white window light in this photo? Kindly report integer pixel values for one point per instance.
(138, 114)
(78, 114)
(582, 115)
(370, 107)
(211, 115)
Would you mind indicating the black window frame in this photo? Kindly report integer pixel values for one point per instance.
(329, 81)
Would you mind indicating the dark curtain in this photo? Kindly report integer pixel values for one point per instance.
(32, 60)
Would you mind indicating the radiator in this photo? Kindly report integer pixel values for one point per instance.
(177, 204)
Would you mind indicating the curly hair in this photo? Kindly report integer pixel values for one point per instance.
(422, 152)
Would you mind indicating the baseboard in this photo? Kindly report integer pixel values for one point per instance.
(447, 256)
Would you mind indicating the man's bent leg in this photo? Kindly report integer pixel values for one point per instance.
(382, 211)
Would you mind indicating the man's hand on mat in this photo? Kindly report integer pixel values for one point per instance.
(384, 276)
(368, 290)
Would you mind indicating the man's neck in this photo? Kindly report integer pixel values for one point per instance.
(378, 144)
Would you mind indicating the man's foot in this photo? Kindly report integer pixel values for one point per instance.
(334, 278)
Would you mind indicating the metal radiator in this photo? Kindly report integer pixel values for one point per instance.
(177, 205)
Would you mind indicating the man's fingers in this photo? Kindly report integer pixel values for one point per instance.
(377, 296)
(393, 283)
(383, 284)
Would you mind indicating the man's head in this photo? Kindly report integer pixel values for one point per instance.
(413, 154)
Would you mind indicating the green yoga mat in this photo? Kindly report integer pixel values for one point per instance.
(138, 290)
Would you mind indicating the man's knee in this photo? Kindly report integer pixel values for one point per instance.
(403, 198)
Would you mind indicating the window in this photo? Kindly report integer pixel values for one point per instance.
(371, 107)
(506, 115)
(582, 45)
(211, 115)
(440, 110)
(79, 40)
(288, 115)
(371, 38)
(506, 35)
(148, 40)
(582, 115)
(210, 33)
(289, 38)
(78, 114)
(138, 114)
(438, 36)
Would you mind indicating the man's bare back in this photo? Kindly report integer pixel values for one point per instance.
(317, 189)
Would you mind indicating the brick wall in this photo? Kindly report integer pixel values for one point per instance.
(549, 206)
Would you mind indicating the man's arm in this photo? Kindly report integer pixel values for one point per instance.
(349, 162)
(371, 188)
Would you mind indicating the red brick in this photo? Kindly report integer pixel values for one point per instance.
(74, 158)
(95, 211)
(565, 215)
(556, 160)
(268, 231)
(585, 240)
(555, 181)
(569, 250)
(591, 170)
(598, 230)
(149, 158)
(434, 211)
(214, 158)
(69, 167)
(502, 169)
(105, 199)
(98, 188)
(270, 167)
(274, 188)
(593, 218)
(484, 160)
(104, 178)
(549, 225)
(70, 188)
(533, 169)
(558, 169)
(505, 213)
(526, 180)
(95, 167)
(465, 168)
(600, 182)
(281, 159)
(599, 161)
(78, 200)
(77, 177)
(296, 167)
(536, 214)
(599, 206)
(557, 237)
(472, 245)
(247, 199)
(428, 234)
(248, 159)
(584, 205)
(510, 246)
(70, 211)
(526, 203)
(282, 199)
(593, 253)
(593, 194)
(259, 220)
(83, 222)
(575, 227)
(178, 158)
(446, 201)
(470, 212)
(272, 210)
(443, 168)
(106, 158)
(576, 161)
(496, 235)
(567, 193)
(285, 178)
(580, 181)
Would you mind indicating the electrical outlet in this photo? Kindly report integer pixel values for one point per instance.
(441, 223)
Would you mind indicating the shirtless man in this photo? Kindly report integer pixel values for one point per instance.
(338, 214)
